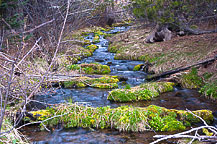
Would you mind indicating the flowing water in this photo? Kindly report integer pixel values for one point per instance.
(178, 99)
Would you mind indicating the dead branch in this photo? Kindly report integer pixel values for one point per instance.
(36, 27)
(183, 135)
(154, 77)
(29, 52)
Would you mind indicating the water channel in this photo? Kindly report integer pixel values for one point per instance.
(178, 99)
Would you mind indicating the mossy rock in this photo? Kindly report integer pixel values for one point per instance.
(143, 92)
(124, 118)
(73, 84)
(92, 68)
(102, 82)
(96, 39)
(138, 67)
(92, 47)
(105, 86)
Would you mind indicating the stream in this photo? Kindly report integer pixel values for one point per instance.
(178, 99)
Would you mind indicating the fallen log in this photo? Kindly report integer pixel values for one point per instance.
(170, 72)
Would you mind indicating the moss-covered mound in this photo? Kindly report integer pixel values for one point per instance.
(102, 82)
(96, 39)
(145, 91)
(92, 48)
(92, 68)
(124, 118)
(105, 86)
(138, 67)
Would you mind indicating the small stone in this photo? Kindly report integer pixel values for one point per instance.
(99, 60)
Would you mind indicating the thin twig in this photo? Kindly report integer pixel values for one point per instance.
(42, 121)
(29, 52)
(36, 27)
(165, 137)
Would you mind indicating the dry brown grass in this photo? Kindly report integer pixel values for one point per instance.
(178, 52)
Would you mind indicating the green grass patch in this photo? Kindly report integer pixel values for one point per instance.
(191, 80)
(92, 68)
(210, 90)
(145, 91)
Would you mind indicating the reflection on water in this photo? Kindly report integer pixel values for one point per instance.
(81, 135)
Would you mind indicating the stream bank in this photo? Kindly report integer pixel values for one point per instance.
(98, 98)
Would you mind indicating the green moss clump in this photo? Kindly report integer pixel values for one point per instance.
(124, 118)
(143, 92)
(41, 114)
(112, 49)
(138, 67)
(96, 39)
(92, 48)
(98, 32)
(102, 82)
(72, 84)
(105, 86)
(162, 119)
(191, 80)
(92, 68)
(106, 29)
